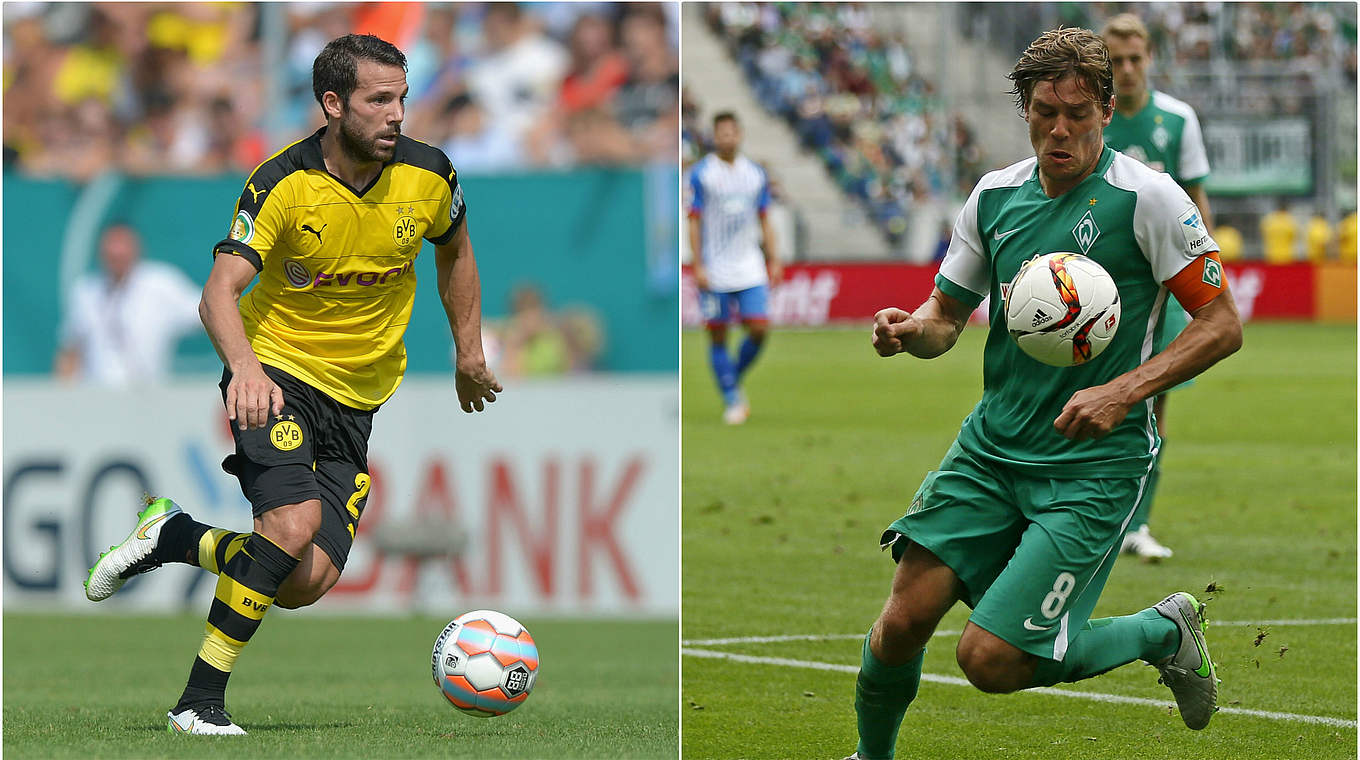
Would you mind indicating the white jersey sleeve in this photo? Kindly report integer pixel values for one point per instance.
(965, 262)
(1168, 227)
(1194, 161)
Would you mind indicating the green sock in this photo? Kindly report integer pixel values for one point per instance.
(882, 693)
(1107, 643)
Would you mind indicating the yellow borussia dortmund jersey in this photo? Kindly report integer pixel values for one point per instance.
(336, 263)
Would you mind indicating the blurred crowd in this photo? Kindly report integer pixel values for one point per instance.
(200, 87)
(1312, 44)
(1308, 38)
(855, 98)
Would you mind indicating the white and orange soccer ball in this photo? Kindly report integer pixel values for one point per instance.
(1062, 308)
(485, 663)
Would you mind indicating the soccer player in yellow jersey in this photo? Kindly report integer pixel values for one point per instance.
(331, 226)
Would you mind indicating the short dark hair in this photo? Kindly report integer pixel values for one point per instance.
(1059, 53)
(336, 68)
(722, 116)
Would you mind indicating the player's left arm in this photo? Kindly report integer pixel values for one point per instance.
(1214, 333)
(773, 267)
(1184, 257)
(772, 263)
(460, 291)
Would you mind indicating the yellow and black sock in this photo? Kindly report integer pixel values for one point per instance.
(246, 584)
(189, 541)
(179, 535)
(216, 547)
(193, 543)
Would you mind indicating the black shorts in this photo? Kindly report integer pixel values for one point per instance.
(317, 448)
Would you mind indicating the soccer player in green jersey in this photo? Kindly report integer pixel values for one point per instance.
(1163, 133)
(331, 226)
(1023, 518)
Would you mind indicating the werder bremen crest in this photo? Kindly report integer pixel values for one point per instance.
(1213, 273)
(1086, 232)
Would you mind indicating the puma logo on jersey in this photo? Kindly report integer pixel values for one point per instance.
(308, 228)
(256, 193)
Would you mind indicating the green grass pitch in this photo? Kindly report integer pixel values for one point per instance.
(318, 686)
(782, 518)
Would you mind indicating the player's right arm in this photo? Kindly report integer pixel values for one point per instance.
(260, 220)
(964, 276)
(696, 229)
(925, 333)
(251, 395)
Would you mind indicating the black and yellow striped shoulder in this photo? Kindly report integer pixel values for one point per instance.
(301, 155)
(425, 156)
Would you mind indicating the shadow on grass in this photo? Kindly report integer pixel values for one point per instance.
(264, 728)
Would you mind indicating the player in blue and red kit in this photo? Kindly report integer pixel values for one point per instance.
(734, 256)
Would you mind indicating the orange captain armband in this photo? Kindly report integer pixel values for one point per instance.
(1199, 282)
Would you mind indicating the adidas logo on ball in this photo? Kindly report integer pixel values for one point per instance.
(1062, 308)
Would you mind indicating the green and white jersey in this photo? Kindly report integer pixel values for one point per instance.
(1143, 229)
(1165, 135)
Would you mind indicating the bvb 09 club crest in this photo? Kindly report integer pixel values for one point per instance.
(404, 231)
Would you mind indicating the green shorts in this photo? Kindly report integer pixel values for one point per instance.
(1033, 553)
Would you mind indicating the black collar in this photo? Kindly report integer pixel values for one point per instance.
(313, 159)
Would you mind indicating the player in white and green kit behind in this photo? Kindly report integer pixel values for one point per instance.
(1023, 518)
(1163, 133)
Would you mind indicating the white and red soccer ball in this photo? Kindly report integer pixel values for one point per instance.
(485, 663)
(1062, 308)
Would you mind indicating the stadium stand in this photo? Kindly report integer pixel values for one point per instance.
(186, 88)
(855, 99)
(1268, 80)
(888, 99)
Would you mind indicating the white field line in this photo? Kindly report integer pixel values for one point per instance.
(852, 636)
(955, 681)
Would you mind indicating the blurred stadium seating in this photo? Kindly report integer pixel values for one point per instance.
(905, 106)
(209, 87)
(853, 97)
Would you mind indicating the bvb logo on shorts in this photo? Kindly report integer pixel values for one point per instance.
(404, 231)
(286, 435)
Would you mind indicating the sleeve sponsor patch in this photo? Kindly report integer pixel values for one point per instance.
(243, 227)
(1192, 228)
(456, 208)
